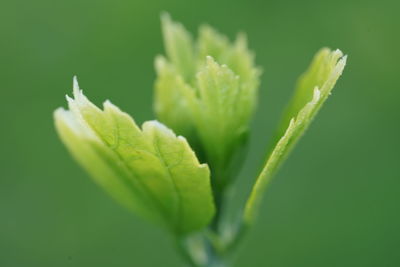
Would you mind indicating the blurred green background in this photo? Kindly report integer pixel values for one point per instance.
(335, 202)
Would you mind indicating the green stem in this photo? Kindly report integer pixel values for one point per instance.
(185, 253)
(215, 258)
(213, 247)
(200, 251)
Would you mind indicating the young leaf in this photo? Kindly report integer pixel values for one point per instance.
(313, 88)
(150, 170)
(213, 105)
(179, 46)
(216, 111)
(169, 105)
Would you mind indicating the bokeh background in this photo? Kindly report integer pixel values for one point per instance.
(335, 202)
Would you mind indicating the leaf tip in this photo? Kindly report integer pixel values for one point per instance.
(75, 85)
(165, 17)
(58, 113)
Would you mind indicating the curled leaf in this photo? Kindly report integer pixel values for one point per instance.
(313, 88)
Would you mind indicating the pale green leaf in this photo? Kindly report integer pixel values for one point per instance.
(211, 43)
(179, 46)
(313, 88)
(169, 105)
(317, 75)
(150, 170)
(216, 111)
(238, 58)
(212, 107)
